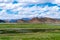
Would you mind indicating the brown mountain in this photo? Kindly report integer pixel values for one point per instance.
(20, 21)
(34, 20)
(44, 20)
(39, 20)
(51, 20)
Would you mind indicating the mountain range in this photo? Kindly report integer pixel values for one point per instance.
(33, 20)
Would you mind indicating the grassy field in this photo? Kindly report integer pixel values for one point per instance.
(29, 26)
(31, 36)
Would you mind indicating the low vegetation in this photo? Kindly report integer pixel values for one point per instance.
(29, 25)
(47, 32)
(31, 36)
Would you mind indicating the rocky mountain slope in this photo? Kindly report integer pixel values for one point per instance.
(33, 20)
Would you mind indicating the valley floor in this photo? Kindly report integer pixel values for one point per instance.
(28, 25)
(30, 36)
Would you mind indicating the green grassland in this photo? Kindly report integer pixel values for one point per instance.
(31, 36)
(26, 25)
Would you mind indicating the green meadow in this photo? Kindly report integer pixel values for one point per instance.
(29, 25)
(31, 36)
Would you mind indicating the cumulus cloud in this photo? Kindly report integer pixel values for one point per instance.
(57, 1)
(29, 9)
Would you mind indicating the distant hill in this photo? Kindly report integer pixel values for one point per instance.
(40, 20)
(33, 20)
(2, 21)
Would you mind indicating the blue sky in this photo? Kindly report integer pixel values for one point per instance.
(17, 9)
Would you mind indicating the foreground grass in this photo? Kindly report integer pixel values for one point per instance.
(29, 26)
(31, 36)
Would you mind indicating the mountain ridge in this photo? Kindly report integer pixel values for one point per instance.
(33, 20)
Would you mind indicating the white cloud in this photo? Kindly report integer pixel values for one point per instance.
(57, 1)
(53, 12)
(29, 12)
